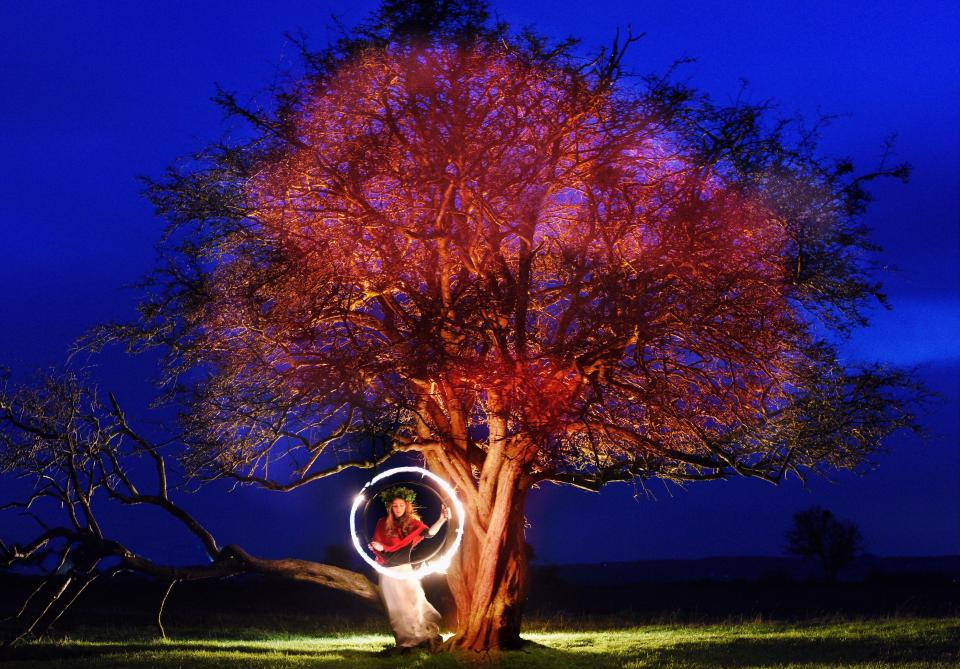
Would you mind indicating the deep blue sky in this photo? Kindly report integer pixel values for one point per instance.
(96, 93)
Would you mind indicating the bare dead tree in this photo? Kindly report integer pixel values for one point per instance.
(78, 454)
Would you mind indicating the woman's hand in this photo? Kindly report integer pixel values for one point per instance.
(444, 517)
(375, 546)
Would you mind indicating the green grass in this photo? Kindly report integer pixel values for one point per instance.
(895, 642)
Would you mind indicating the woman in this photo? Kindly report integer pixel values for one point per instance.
(414, 620)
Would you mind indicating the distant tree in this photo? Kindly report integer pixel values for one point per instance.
(484, 249)
(817, 535)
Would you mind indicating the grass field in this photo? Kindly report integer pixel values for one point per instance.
(893, 642)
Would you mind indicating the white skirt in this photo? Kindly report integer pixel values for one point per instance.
(412, 617)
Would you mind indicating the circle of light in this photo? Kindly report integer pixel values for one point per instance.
(428, 567)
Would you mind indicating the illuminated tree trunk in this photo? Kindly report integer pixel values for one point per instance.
(488, 580)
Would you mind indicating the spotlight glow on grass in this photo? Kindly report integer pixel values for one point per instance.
(896, 643)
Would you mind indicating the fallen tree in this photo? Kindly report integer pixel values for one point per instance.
(80, 456)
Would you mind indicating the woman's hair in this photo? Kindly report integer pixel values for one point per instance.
(400, 527)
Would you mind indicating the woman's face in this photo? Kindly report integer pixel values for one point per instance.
(398, 506)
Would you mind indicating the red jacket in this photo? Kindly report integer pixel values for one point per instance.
(393, 544)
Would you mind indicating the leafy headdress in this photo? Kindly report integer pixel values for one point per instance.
(393, 493)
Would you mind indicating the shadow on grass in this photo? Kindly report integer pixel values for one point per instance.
(91, 650)
(776, 652)
(207, 654)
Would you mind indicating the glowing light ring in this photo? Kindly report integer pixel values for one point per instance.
(421, 485)
(428, 567)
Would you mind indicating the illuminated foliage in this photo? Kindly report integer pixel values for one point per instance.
(452, 236)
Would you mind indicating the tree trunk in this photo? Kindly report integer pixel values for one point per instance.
(489, 576)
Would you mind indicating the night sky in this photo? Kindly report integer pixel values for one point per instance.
(96, 93)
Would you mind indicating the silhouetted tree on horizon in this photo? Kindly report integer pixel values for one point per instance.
(816, 534)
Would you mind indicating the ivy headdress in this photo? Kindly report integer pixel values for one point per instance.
(404, 493)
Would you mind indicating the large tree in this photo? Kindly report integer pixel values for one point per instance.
(480, 247)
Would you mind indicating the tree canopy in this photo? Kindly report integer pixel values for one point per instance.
(483, 247)
(456, 245)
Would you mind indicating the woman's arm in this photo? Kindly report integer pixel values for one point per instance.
(383, 544)
(376, 544)
(444, 516)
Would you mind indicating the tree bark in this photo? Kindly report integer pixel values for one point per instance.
(488, 578)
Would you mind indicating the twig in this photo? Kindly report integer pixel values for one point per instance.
(163, 634)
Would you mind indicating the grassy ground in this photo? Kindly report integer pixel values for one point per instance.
(894, 642)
